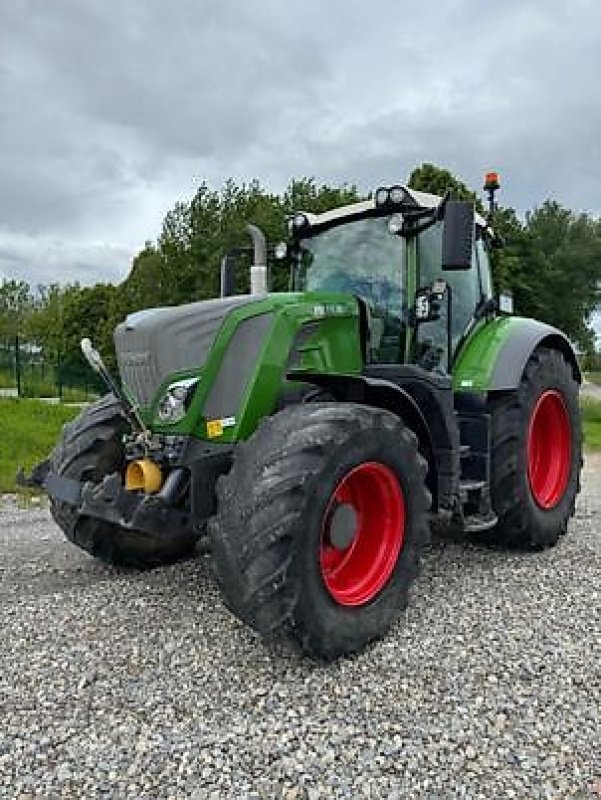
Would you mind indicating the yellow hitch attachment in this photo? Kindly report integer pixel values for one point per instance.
(143, 474)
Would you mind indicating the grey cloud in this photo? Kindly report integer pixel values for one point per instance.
(111, 111)
(200, 78)
(45, 261)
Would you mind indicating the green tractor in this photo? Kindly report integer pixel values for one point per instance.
(316, 434)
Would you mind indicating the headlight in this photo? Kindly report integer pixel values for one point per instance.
(382, 196)
(174, 404)
(280, 251)
(299, 221)
(396, 194)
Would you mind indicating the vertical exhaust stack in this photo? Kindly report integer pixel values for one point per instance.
(258, 271)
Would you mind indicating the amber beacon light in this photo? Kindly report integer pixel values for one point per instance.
(491, 184)
(491, 181)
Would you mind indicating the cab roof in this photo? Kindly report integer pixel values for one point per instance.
(422, 199)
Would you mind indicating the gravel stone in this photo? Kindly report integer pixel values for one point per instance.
(140, 685)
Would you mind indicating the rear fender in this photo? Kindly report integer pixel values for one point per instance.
(495, 356)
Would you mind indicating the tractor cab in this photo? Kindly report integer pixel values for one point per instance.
(417, 263)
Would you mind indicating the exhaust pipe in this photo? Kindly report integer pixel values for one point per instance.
(258, 271)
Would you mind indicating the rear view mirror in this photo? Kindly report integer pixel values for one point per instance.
(458, 235)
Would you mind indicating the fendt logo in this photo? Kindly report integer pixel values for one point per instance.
(133, 359)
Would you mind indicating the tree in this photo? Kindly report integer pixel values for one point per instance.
(185, 263)
(561, 270)
(551, 261)
(436, 180)
(63, 316)
(16, 302)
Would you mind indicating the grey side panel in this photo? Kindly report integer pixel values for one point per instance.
(154, 343)
(302, 336)
(518, 348)
(238, 365)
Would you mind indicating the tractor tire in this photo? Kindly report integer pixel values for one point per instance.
(90, 448)
(536, 454)
(320, 525)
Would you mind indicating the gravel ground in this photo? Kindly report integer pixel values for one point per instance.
(141, 685)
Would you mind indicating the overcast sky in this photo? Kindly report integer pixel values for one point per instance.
(112, 111)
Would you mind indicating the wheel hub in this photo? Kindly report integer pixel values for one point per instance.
(362, 534)
(343, 526)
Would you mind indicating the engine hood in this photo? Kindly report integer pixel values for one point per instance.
(154, 343)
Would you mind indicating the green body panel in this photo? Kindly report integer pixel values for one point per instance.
(476, 360)
(330, 345)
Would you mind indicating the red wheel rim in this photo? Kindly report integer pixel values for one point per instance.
(355, 571)
(549, 449)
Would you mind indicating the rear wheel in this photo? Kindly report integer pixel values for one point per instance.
(536, 454)
(90, 448)
(320, 524)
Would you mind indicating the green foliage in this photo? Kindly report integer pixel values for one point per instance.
(594, 377)
(185, 263)
(433, 179)
(15, 305)
(68, 314)
(558, 255)
(591, 362)
(30, 429)
(551, 261)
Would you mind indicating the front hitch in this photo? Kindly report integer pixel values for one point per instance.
(110, 501)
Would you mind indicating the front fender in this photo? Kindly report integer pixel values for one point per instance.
(381, 394)
(494, 357)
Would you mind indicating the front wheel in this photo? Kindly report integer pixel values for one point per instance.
(536, 454)
(90, 448)
(320, 524)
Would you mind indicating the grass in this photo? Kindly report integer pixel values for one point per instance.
(29, 429)
(591, 419)
(594, 377)
(73, 395)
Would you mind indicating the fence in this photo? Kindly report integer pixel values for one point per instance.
(25, 371)
(592, 362)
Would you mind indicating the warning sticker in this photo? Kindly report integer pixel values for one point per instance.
(214, 428)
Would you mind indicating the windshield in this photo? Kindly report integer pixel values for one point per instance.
(362, 258)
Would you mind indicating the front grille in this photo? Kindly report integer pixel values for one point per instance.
(141, 381)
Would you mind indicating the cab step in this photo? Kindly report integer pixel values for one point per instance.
(468, 487)
(478, 523)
